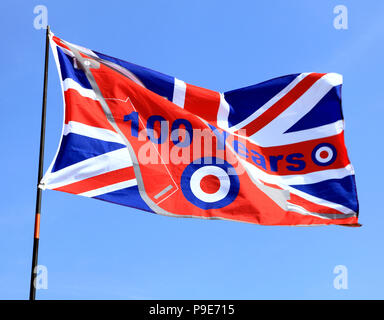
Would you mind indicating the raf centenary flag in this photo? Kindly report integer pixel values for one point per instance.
(271, 154)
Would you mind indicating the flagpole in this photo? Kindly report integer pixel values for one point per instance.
(32, 288)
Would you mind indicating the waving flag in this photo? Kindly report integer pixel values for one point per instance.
(272, 153)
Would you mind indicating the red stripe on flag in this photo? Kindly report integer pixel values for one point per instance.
(84, 110)
(99, 181)
(281, 105)
(202, 102)
(276, 161)
(59, 43)
(311, 206)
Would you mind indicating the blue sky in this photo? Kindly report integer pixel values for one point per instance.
(97, 250)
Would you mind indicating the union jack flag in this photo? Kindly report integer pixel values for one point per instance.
(136, 137)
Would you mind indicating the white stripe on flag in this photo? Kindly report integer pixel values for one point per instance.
(298, 179)
(179, 90)
(92, 132)
(223, 113)
(110, 188)
(69, 83)
(82, 49)
(326, 130)
(110, 161)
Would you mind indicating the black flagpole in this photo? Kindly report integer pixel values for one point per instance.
(32, 289)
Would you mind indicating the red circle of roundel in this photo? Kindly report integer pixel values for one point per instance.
(210, 184)
(323, 154)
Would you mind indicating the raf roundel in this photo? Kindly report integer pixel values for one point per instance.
(210, 183)
(324, 154)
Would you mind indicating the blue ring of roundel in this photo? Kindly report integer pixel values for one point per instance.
(210, 161)
(332, 160)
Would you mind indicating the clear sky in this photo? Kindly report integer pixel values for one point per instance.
(97, 250)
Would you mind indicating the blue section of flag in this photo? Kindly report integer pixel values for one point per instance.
(129, 197)
(327, 111)
(157, 82)
(341, 191)
(68, 70)
(245, 101)
(75, 148)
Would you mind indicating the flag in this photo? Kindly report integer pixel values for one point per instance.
(271, 153)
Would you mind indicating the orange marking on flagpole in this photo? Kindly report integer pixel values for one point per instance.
(37, 226)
